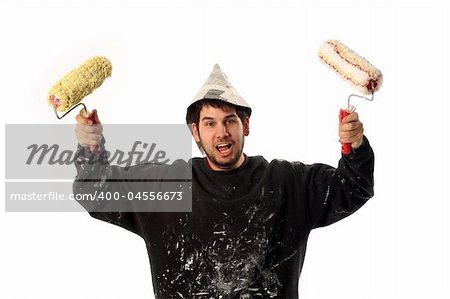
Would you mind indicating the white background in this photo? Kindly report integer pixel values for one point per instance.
(396, 246)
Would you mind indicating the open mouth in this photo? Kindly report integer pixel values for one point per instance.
(224, 148)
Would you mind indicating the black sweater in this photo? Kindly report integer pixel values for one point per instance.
(246, 235)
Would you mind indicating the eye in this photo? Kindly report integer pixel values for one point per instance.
(209, 124)
(231, 121)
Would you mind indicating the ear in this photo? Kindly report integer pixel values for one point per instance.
(195, 133)
(246, 125)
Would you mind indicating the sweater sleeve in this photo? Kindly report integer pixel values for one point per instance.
(96, 176)
(335, 193)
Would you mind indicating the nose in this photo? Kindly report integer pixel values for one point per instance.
(222, 131)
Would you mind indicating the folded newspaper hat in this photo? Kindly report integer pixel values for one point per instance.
(218, 87)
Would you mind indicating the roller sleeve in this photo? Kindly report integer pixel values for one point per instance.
(79, 83)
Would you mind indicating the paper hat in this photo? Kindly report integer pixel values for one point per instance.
(218, 87)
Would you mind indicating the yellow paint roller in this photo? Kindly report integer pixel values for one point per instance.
(68, 92)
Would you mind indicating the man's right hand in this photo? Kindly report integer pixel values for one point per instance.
(89, 132)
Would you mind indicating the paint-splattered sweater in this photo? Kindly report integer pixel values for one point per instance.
(246, 235)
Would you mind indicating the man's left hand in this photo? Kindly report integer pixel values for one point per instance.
(351, 130)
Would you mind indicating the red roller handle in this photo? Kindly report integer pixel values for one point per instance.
(346, 147)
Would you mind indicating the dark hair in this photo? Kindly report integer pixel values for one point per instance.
(193, 111)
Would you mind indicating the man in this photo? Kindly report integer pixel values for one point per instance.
(246, 235)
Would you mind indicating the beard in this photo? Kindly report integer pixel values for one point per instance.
(233, 161)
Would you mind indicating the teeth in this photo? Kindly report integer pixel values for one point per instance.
(222, 145)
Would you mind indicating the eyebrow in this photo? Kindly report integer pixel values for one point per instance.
(226, 117)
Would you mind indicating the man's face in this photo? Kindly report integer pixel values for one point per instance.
(221, 134)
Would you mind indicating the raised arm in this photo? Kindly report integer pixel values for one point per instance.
(96, 176)
(334, 193)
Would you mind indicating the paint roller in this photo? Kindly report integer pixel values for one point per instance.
(354, 69)
(68, 92)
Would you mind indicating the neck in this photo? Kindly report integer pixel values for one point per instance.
(238, 164)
